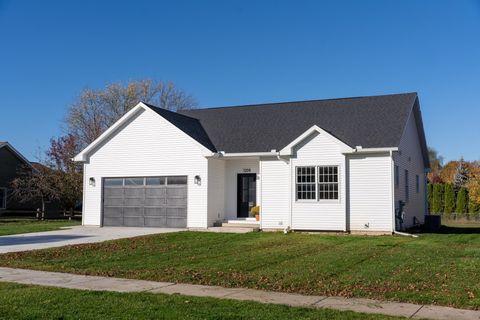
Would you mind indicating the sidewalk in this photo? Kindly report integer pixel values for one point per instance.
(73, 281)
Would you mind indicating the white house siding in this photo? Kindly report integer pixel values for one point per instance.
(319, 149)
(232, 168)
(410, 158)
(216, 190)
(370, 192)
(275, 189)
(147, 146)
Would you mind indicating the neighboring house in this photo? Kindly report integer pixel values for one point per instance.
(11, 163)
(336, 165)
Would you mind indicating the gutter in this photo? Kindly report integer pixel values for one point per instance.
(359, 149)
(223, 154)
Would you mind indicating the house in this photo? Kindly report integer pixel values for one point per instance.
(11, 163)
(335, 165)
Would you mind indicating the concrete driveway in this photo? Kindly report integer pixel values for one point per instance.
(74, 235)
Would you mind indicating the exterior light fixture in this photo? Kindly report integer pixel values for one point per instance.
(197, 180)
(91, 181)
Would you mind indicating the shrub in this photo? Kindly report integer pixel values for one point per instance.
(462, 201)
(449, 199)
(438, 201)
(430, 197)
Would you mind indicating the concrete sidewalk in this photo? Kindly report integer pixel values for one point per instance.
(73, 281)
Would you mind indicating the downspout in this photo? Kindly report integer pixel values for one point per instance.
(392, 186)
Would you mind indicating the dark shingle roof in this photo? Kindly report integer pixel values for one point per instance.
(370, 122)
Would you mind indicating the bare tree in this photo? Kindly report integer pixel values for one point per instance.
(96, 110)
(34, 184)
(66, 174)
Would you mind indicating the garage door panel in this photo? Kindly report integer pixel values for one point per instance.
(176, 222)
(133, 221)
(155, 192)
(113, 192)
(134, 192)
(155, 212)
(155, 202)
(156, 221)
(174, 191)
(134, 202)
(133, 211)
(151, 205)
(113, 211)
(113, 221)
(176, 202)
(113, 202)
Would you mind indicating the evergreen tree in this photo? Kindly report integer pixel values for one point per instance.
(462, 201)
(438, 201)
(461, 176)
(473, 207)
(430, 197)
(449, 199)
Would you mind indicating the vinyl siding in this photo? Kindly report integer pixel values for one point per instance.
(319, 149)
(232, 169)
(410, 158)
(216, 190)
(370, 192)
(275, 189)
(147, 145)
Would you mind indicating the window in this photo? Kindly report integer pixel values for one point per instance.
(328, 183)
(417, 183)
(134, 182)
(3, 198)
(407, 196)
(397, 177)
(113, 182)
(305, 185)
(177, 180)
(156, 181)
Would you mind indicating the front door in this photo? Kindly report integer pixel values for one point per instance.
(247, 193)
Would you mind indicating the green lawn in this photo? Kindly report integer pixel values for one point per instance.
(439, 269)
(24, 225)
(34, 302)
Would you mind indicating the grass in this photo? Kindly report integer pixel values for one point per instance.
(35, 302)
(10, 226)
(438, 269)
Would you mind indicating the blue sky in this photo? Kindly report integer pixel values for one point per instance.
(241, 52)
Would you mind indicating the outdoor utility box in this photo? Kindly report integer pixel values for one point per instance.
(433, 222)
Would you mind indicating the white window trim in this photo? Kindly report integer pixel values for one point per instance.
(317, 199)
(4, 204)
(315, 184)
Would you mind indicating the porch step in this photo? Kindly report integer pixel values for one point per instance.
(240, 225)
(232, 229)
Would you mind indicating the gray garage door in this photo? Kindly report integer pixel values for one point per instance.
(145, 202)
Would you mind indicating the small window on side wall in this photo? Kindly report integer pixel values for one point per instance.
(305, 183)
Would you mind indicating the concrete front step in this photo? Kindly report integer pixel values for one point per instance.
(240, 225)
(230, 229)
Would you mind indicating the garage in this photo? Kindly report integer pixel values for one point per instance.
(145, 202)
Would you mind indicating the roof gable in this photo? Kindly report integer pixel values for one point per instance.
(15, 152)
